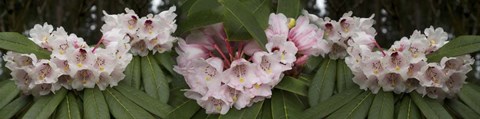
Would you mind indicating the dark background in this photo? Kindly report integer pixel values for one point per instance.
(394, 18)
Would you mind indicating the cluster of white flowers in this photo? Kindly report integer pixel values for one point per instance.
(337, 35)
(152, 32)
(404, 67)
(222, 74)
(72, 64)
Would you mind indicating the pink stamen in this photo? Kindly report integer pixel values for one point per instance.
(98, 44)
(378, 46)
(223, 55)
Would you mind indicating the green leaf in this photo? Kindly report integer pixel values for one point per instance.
(322, 85)
(245, 113)
(261, 11)
(69, 109)
(408, 109)
(312, 63)
(121, 107)
(8, 92)
(470, 97)
(286, 105)
(200, 19)
(460, 46)
(332, 104)
(201, 5)
(16, 42)
(247, 19)
(291, 8)
(357, 108)
(266, 112)
(430, 108)
(133, 73)
(15, 106)
(184, 111)
(382, 106)
(143, 100)
(95, 106)
(341, 78)
(293, 85)
(154, 81)
(201, 115)
(166, 60)
(463, 110)
(45, 105)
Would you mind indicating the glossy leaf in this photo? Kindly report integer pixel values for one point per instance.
(323, 83)
(293, 85)
(45, 105)
(69, 109)
(15, 106)
(246, 113)
(408, 109)
(8, 92)
(460, 46)
(470, 97)
(430, 108)
(291, 8)
(95, 106)
(16, 42)
(356, 109)
(463, 110)
(184, 111)
(200, 19)
(143, 100)
(332, 104)
(286, 105)
(154, 81)
(313, 63)
(266, 112)
(382, 106)
(133, 73)
(121, 107)
(166, 60)
(247, 19)
(261, 11)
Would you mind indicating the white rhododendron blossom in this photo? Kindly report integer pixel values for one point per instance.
(404, 67)
(72, 64)
(150, 33)
(336, 36)
(223, 74)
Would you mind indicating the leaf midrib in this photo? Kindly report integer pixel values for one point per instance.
(121, 104)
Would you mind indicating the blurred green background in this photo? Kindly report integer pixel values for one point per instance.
(394, 18)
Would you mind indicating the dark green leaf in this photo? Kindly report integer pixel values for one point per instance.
(470, 97)
(201, 5)
(286, 105)
(184, 111)
(245, 113)
(460, 46)
(341, 78)
(463, 110)
(322, 85)
(261, 11)
(166, 60)
(154, 81)
(143, 100)
(45, 105)
(312, 63)
(18, 43)
(247, 19)
(201, 115)
(69, 109)
(332, 104)
(382, 107)
(200, 19)
(356, 109)
(430, 108)
(133, 73)
(95, 106)
(293, 85)
(8, 92)
(15, 106)
(121, 107)
(291, 8)
(408, 109)
(266, 112)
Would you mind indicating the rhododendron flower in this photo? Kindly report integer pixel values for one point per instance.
(404, 67)
(222, 74)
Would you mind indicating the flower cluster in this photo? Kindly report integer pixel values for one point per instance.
(222, 74)
(72, 64)
(404, 67)
(152, 32)
(337, 35)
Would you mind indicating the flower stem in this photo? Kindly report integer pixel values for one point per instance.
(98, 44)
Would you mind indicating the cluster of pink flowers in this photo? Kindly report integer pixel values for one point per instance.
(72, 64)
(404, 67)
(152, 32)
